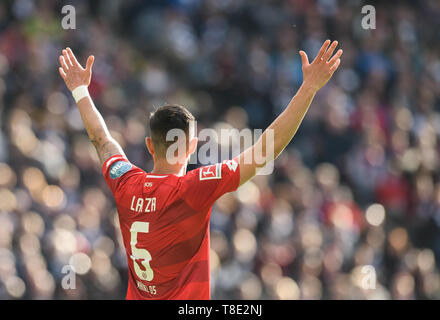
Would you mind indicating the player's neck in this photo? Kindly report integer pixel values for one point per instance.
(163, 167)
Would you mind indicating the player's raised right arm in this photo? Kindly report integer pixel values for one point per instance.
(315, 76)
(78, 78)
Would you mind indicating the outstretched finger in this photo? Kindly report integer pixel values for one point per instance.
(63, 64)
(330, 50)
(66, 57)
(304, 58)
(62, 73)
(72, 57)
(335, 66)
(335, 57)
(322, 50)
(89, 64)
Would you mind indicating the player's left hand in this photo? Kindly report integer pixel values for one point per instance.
(72, 72)
(317, 73)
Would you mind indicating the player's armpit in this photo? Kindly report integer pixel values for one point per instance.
(106, 148)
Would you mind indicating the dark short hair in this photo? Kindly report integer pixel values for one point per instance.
(166, 118)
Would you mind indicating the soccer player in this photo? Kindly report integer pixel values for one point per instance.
(164, 214)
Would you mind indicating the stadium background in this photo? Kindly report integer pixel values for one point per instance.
(357, 186)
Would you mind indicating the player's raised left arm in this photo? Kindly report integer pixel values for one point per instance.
(315, 75)
(77, 80)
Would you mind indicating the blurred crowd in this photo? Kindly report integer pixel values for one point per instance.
(352, 209)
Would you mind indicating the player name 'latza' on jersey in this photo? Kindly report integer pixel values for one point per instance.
(168, 251)
(143, 204)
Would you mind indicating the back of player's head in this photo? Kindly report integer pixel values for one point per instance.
(165, 119)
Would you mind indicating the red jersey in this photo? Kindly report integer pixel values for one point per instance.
(164, 221)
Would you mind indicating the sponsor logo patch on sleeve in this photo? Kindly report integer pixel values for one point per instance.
(232, 164)
(118, 168)
(211, 172)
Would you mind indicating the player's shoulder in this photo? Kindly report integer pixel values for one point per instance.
(120, 167)
(202, 186)
(121, 174)
(212, 172)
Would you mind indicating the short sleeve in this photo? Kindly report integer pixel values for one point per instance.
(203, 186)
(117, 171)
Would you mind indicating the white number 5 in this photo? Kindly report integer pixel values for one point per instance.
(140, 254)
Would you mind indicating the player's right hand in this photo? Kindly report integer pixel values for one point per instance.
(72, 72)
(319, 72)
